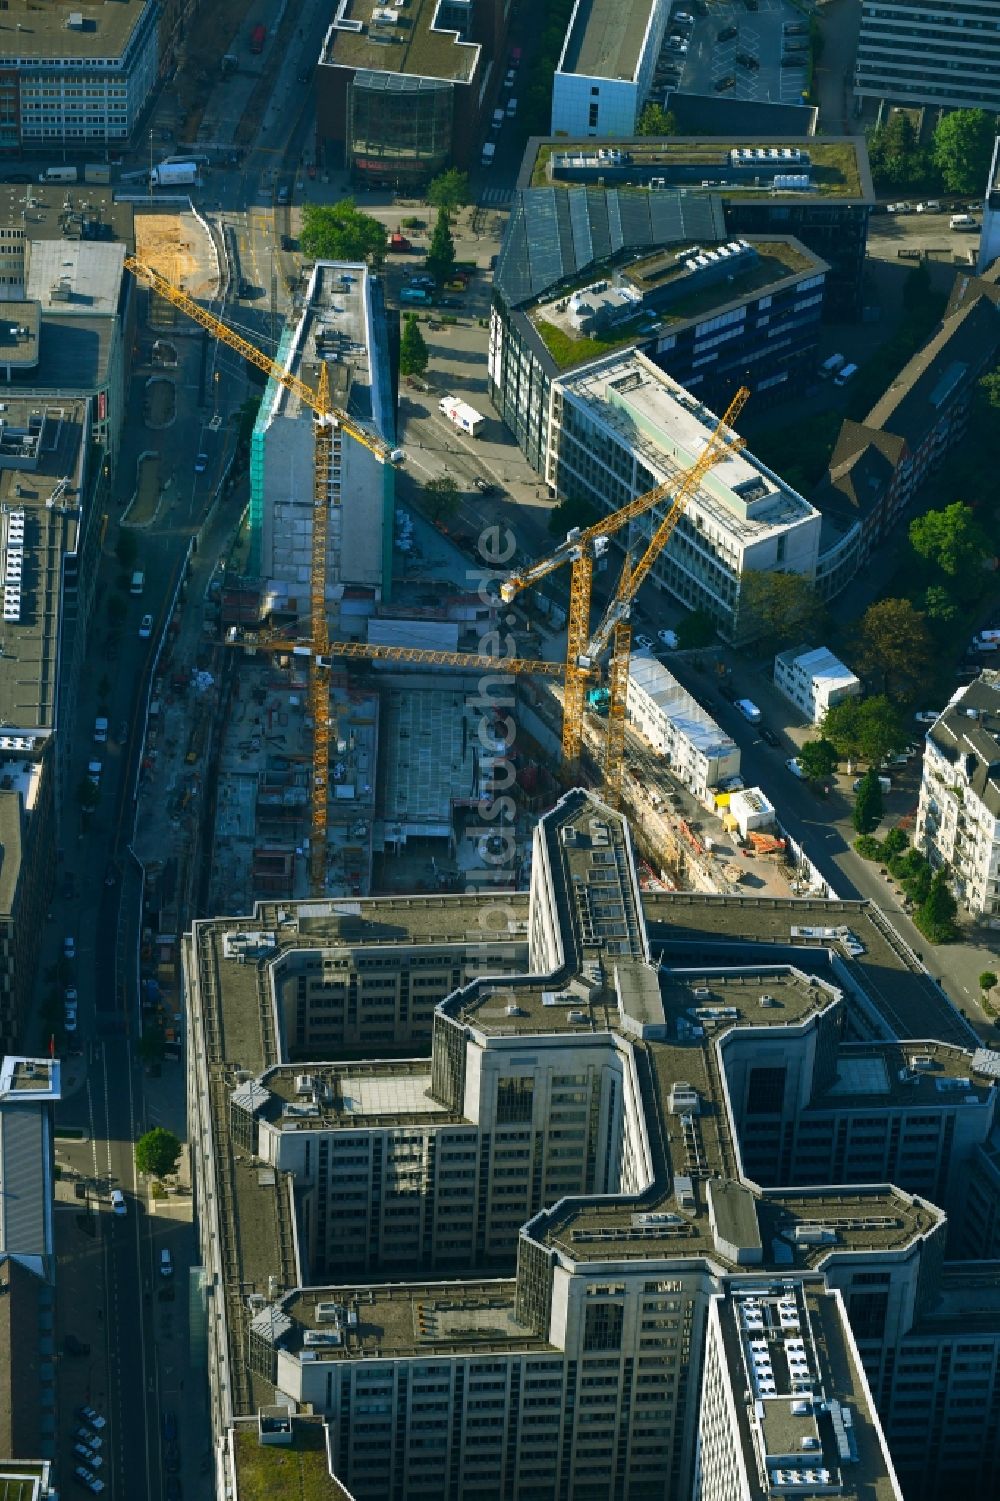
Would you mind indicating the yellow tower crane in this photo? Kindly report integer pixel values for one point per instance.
(581, 547)
(329, 422)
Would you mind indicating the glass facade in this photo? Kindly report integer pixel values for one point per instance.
(399, 129)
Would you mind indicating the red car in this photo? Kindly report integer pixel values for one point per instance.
(312, 169)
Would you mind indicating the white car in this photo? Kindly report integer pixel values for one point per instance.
(669, 638)
(69, 1019)
(118, 1205)
(69, 947)
(94, 772)
(927, 716)
(145, 628)
(89, 1479)
(643, 643)
(795, 767)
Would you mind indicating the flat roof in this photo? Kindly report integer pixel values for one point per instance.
(298, 1467)
(34, 33)
(76, 276)
(604, 38)
(684, 712)
(379, 36)
(819, 664)
(838, 165)
(68, 211)
(20, 324)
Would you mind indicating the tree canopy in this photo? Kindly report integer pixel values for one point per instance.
(778, 608)
(869, 728)
(441, 497)
(441, 252)
(818, 759)
(897, 162)
(963, 149)
(341, 232)
(697, 628)
(157, 1153)
(449, 190)
(952, 539)
(413, 355)
(656, 121)
(868, 803)
(894, 646)
(935, 917)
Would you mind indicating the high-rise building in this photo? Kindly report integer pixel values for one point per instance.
(663, 1214)
(606, 66)
(939, 53)
(342, 325)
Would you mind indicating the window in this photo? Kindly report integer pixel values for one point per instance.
(515, 1098)
(603, 1327)
(766, 1091)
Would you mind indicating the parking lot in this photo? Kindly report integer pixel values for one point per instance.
(736, 50)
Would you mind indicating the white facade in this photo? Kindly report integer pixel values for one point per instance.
(814, 680)
(958, 815)
(599, 87)
(696, 750)
(620, 427)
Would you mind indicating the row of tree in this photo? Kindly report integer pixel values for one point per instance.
(957, 159)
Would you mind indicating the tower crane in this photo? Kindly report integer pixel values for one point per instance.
(581, 548)
(328, 422)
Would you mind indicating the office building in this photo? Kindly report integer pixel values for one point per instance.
(621, 427)
(404, 92)
(814, 680)
(958, 815)
(29, 1087)
(940, 54)
(817, 190)
(76, 74)
(606, 66)
(712, 311)
(342, 325)
(557, 1273)
(697, 752)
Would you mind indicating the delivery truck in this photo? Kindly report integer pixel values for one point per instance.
(461, 415)
(175, 175)
(59, 174)
(97, 172)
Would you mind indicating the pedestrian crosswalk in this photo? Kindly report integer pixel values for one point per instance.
(496, 198)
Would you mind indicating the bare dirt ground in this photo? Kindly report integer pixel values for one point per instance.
(177, 247)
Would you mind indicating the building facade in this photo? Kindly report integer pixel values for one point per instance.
(342, 325)
(679, 729)
(814, 680)
(937, 53)
(76, 74)
(606, 66)
(958, 815)
(619, 428)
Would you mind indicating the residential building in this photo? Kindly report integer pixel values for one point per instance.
(342, 325)
(878, 465)
(698, 753)
(941, 54)
(606, 66)
(818, 190)
(29, 1087)
(76, 74)
(402, 94)
(561, 1266)
(620, 427)
(814, 680)
(711, 311)
(958, 815)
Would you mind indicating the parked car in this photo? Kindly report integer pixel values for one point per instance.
(93, 1417)
(747, 60)
(69, 947)
(86, 1437)
(729, 82)
(643, 643)
(483, 485)
(669, 638)
(727, 34)
(169, 1426)
(927, 716)
(89, 1479)
(94, 772)
(145, 628)
(768, 735)
(74, 1346)
(795, 767)
(89, 1456)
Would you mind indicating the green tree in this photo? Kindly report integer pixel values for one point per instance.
(868, 847)
(152, 1045)
(897, 163)
(778, 608)
(449, 190)
(939, 604)
(696, 629)
(869, 728)
(894, 843)
(157, 1153)
(126, 548)
(935, 917)
(952, 539)
(913, 872)
(818, 759)
(569, 514)
(990, 387)
(987, 980)
(87, 795)
(341, 232)
(962, 149)
(656, 121)
(441, 497)
(894, 646)
(868, 803)
(441, 253)
(413, 355)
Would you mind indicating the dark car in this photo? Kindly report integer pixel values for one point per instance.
(289, 242)
(483, 486)
(172, 1459)
(729, 82)
(17, 177)
(169, 1426)
(768, 735)
(746, 60)
(74, 1346)
(172, 1489)
(727, 33)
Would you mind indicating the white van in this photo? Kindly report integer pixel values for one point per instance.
(831, 366)
(962, 221)
(846, 374)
